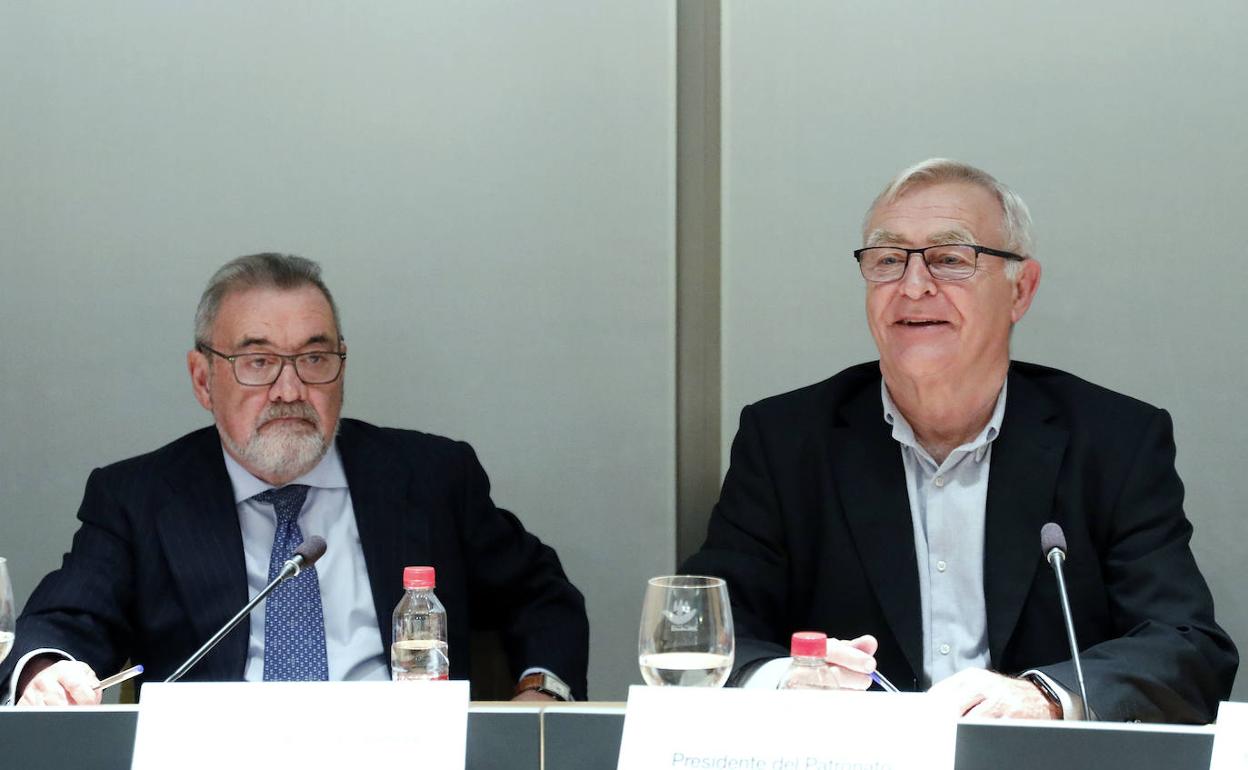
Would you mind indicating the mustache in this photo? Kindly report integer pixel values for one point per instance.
(297, 410)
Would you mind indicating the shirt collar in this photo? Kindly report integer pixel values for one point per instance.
(326, 474)
(904, 434)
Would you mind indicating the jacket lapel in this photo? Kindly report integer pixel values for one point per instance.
(866, 463)
(393, 533)
(199, 530)
(1026, 458)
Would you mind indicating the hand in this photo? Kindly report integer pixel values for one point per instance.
(534, 695)
(975, 692)
(61, 683)
(852, 661)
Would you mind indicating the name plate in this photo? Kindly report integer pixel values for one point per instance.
(1230, 738)
(331, 725)
(674, 728)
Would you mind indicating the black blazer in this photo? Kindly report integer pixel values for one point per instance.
(813, 532)
(157, 563)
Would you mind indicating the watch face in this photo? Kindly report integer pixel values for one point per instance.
(552, 685)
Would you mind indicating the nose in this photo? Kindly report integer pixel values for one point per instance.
(287, 388)
(917, 280)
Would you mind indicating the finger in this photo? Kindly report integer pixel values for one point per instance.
(966, 681)
(533, 695)
(984, 709)
(867, 643)
(78, 681)
(62, 684)
(44, 692)
(83, 694)
(960, 693)
(1021, 699)
(845, 655)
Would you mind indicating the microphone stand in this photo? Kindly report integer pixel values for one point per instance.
(1056, 557)
(289, 569)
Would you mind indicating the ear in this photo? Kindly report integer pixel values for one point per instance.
(200, 368)
(1025, 288)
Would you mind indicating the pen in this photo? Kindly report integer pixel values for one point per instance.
(120, 677)
(882, 681)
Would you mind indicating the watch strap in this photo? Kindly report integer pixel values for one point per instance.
(545, 683)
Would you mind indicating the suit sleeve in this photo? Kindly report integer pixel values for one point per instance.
(82, 608)
(1167, 660)
(745, 545)
(517, 584)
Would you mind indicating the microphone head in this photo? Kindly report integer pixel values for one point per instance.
(311, 549)
(1052, 536)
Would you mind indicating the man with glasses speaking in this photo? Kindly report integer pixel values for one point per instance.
(173, 543)
(899, 504)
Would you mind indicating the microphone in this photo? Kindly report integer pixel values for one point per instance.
(1053, 546)
(304, 556)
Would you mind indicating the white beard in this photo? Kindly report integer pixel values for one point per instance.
(281, 451)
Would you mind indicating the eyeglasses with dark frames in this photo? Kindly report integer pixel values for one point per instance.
(315, 367)
(945, 262)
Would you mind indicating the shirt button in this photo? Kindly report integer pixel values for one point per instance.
(940, 481)
(944, 649)
(941, 566)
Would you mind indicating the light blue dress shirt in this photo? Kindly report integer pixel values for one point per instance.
(352, 639)
(947, 509)
(948, 501)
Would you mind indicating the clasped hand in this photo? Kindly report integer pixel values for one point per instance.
(973, 692)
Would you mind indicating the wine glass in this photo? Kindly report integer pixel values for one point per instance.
(6, 610)
(686, 632)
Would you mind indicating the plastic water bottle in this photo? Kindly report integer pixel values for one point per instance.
(419, 648)
(809, 670)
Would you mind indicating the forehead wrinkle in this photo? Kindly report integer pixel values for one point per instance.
(316, 339)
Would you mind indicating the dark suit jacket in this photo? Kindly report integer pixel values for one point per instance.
(157, 564)
(813, 532)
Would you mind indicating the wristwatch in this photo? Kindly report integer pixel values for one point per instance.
(546, 683)
(1047, 691)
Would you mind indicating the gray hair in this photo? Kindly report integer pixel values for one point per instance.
(1016, 221)
(254, 271)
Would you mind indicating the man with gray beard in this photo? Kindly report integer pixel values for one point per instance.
(173, 542)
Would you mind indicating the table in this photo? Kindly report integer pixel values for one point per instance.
(586, 736)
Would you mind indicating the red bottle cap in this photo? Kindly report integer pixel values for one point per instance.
(418, 577)
(808, 644)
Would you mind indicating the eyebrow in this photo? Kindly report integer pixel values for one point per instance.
(254, 342)
(884, 238)
(889, 238)
(951, 236)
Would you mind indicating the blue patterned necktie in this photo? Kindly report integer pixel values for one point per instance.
(294, 623)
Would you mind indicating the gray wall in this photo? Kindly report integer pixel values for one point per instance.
(1121, 123)
(489, 187)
